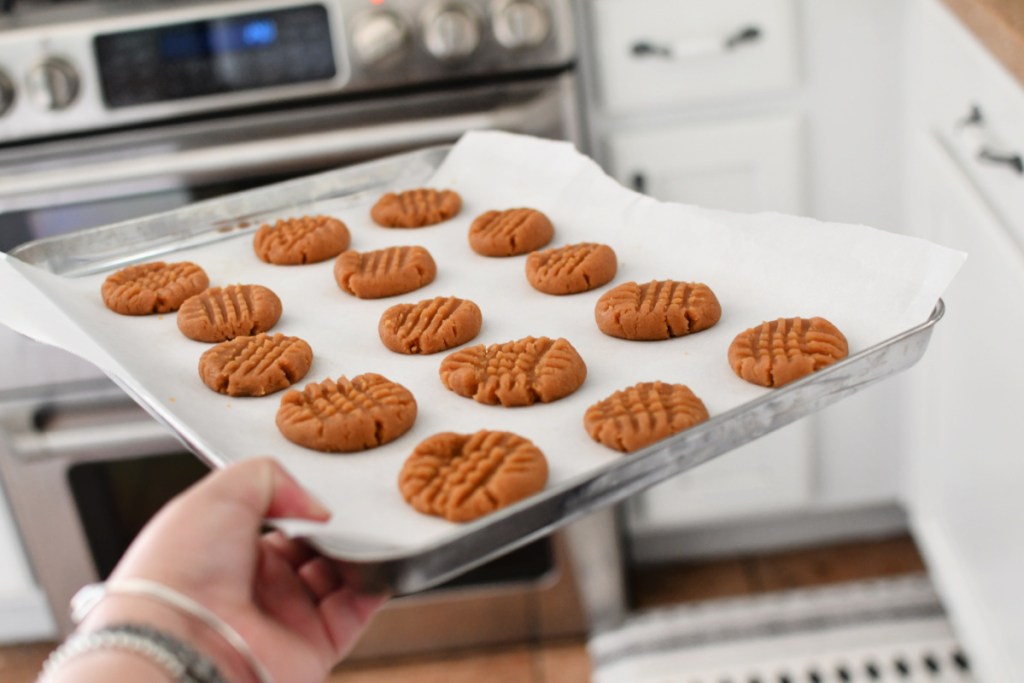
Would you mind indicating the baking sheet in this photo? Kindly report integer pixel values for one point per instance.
(872, 284)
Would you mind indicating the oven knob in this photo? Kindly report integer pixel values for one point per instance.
(520, 24)
(378, 35)
(52, 84)
(6, 93)
(451, 31)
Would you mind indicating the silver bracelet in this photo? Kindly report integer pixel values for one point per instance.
(182, 663)
(89, 596)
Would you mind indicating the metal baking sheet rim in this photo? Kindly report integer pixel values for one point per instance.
(544, 513)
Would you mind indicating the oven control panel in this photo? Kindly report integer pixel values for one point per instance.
(93, 66)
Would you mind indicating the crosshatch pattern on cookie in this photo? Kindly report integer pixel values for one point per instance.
(429, 326)
(415, 208)
(465, 476)
(571, 269)
(781, 351)
(510, 232)
(305, 239)
(384, 272)
(222, 313)
(516, 373)
(346, 416)
(256, 365)
(642, 414)
(660, 309)
(153, 287)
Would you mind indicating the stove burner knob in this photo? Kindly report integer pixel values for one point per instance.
(520, 24)
(451, 31)
(379, 35)
(6, 93)
(53, 84)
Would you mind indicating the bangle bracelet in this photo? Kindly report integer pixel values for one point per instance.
(89, 596)
(182, 663)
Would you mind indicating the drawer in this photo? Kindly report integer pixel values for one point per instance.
(667, 52)
(748, 164)
(772, 474)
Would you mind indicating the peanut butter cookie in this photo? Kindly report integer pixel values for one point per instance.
(345, 416)
(510, 232)
(255, 366)
(659, 309)
(429, 326)
(632, 418)
(295, 241)
(571, 269)
(462, 477)
(222, 313)
(781, 351)
(385, 272)
(415, 208)
(153, 287)
(516, 373)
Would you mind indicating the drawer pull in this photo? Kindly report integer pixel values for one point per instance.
(639, 182)
(696, 46)
(1014, 161)
(748, 34)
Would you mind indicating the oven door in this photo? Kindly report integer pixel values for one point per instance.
(57, 187)
(84, 468)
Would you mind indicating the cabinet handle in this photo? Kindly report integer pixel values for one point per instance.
(696, 46)
(639, 182)
(975, 119)
(1014, 161)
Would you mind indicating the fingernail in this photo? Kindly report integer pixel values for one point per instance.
(317, 508)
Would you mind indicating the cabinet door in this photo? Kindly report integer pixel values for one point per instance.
(749, 164)
(966, 474)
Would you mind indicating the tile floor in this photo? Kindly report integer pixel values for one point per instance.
(566, 661)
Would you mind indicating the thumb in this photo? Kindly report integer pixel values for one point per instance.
(262, 489)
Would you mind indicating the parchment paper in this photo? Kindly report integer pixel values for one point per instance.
(871, 284)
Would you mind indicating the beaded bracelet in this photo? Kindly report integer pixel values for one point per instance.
(181, 662)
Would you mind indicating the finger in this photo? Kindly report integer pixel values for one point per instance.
(259, 488)
(320, 577)
(295, 552)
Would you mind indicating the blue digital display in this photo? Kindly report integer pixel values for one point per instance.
(217, 55)
(260, 32)
(219, 37)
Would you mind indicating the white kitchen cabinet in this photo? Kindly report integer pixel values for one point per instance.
(963, 480)
(24, 613)
(964, 484)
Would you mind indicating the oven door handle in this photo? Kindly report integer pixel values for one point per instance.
(255, 156)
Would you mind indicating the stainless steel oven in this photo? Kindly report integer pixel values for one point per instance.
(110, 110)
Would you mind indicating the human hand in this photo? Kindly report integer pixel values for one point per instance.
(289, 603)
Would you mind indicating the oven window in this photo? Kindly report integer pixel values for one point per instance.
(116, 498)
